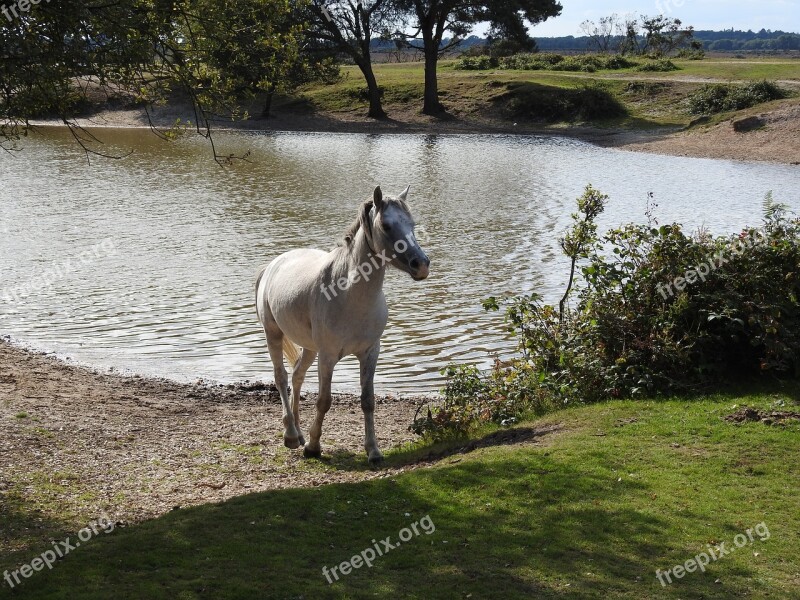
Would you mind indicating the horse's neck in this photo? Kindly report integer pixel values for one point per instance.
(359, 262)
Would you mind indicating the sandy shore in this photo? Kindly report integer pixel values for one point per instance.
(776, 139)
(138, 447)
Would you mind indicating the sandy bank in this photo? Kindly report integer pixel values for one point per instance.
(776, 139)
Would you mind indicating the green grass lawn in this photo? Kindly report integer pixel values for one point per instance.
(751, 69)
(589, 511)
(478, 95)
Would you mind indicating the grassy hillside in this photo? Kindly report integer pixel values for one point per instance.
(586, 503)
(651, 99)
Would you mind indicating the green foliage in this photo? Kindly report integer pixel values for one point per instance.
(477, 63)
(218, 53)
(715, 98)
(661, 65)
(470, 400)
(547, 61)
(691, 54)
(539, 103)
(663, 35)
(645, 88)
(658, 312)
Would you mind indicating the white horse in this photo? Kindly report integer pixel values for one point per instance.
(331, 304)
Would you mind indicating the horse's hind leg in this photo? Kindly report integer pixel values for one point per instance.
(298, 377)
(325, 368)
(291, 436)
(368, 362)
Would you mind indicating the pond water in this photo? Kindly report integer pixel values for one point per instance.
(146, 264)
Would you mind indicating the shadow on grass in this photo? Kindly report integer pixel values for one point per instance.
(423, 452)
(516, 525)
(21, 530)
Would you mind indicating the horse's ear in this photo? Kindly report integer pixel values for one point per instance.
(377, 198)
(403, 195)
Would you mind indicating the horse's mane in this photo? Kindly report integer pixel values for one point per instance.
(363, 216)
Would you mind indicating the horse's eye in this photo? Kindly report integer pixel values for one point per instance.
(386, 227)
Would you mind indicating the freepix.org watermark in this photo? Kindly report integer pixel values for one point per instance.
(665, 6)
(703, 559)
(59, 270)
(368, 556)
(702, 271)
(365, 269)
(60, 550)
(21, 6)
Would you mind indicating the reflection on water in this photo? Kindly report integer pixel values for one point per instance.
(176, 297)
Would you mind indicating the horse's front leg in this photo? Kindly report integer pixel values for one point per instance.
(369, 361)
(325, 369)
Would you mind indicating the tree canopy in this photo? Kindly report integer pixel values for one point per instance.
(431, 21)
(216, 51)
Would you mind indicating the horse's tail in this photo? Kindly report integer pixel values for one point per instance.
(260, 274)
(291, 351)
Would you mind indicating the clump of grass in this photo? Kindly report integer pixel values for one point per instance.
(716, 98)
(661, 65)
(476, 63)
(644, 88)
(547, 61)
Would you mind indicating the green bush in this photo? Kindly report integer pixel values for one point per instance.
(645, 88)
(661, 65)
(717, 97)
(546, 61)
(542, 103)
(657, 312)
(476, 63)
(691, 54)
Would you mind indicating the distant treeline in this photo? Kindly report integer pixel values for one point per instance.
(726, 40)
(720, 41)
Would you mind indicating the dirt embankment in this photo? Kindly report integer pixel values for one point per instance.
(775, 139)
(771, 135)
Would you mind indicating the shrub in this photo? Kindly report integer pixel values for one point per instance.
(715, 98)
(645, 88)
(692, 54)
(637, 329)
(476, 63)
(660, 65)
(540, 103)
(547, 61)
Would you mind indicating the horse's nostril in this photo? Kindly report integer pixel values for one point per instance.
(414, 264)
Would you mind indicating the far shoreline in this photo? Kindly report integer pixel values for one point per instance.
(777, 141)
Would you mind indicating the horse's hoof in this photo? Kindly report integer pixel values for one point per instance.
(302, 441)
(309, 453)
(376, 460)
(292, 443)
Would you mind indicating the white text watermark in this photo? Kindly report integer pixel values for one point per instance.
(58, 270)
(703, 559)
(60, 550)
(703, 270)
(368, 556)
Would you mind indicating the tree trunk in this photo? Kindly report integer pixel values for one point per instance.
(268, 102)
(375, 108)
(431, 104)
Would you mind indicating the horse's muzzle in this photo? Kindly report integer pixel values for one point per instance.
(420, 268)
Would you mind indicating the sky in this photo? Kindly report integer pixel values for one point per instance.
(702, 14)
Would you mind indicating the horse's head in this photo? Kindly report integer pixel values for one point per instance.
(393, 234)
